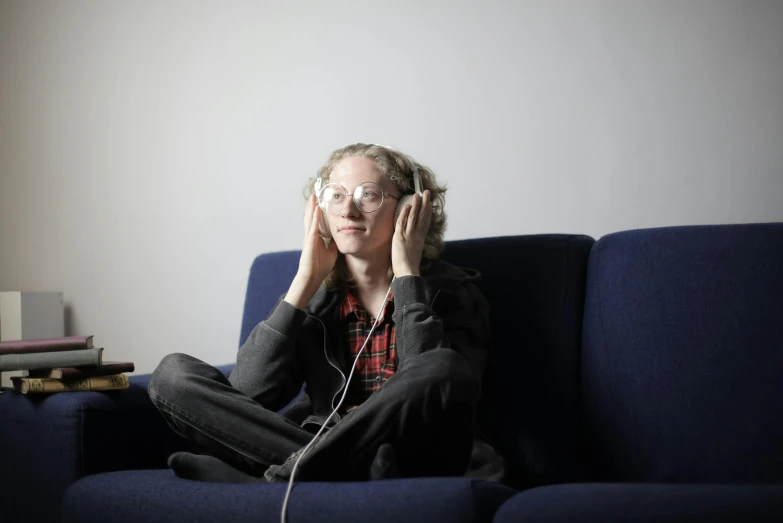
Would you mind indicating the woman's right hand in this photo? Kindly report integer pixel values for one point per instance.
(315, 263)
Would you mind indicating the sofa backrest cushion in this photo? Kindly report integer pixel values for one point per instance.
(535, 288)
(683, 354)
(270, 276)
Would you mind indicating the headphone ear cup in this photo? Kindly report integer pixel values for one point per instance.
(405, 200)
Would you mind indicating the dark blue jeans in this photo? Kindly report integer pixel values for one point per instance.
(425, 412)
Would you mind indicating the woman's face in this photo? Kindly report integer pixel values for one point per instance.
(356, 232)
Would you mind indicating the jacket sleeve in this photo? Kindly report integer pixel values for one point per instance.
(463, 323)
(267, 369)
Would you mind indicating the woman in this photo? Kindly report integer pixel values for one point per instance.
(370, 305)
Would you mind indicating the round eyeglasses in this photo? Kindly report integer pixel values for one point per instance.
(368, 197)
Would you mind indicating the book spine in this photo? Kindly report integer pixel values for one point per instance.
(48, 360)
(46, 345)
(69, 373)
(48, 385)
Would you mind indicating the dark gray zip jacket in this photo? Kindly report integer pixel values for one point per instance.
(442, 308)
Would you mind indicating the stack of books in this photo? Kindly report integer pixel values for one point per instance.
(62, 365)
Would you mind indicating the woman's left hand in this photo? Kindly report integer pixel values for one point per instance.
(409, 234)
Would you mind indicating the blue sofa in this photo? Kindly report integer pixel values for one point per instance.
(636, 378)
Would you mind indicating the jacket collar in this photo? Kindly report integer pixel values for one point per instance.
(438, 275)
(323, 301)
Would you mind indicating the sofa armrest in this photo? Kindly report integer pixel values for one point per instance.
(48, 442)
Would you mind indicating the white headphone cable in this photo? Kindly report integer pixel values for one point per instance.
(345, 391)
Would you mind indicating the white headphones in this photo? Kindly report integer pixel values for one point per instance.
(404, 200)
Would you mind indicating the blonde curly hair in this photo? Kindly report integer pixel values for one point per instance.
(398, 167)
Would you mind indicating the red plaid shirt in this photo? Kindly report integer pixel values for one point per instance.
(378, 361)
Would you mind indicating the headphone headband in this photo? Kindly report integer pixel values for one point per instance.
(417, 185)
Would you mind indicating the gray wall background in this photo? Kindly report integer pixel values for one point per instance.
(149, 150)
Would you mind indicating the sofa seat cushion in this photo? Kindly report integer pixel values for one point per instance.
(157, 496)
(652, 502)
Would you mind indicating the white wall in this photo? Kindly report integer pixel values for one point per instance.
(149, 150)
